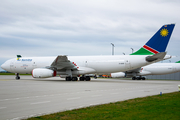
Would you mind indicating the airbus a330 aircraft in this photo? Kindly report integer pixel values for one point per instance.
(153, 69)
(73, 66)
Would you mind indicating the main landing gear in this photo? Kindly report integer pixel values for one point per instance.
(87, 78)
(71, 79)
(17, 76)
(138, 78)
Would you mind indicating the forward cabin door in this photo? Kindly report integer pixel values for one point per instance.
(86, 63)
(34, 65)
(12, 66)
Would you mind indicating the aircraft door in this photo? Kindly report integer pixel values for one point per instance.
(12, 66)
(174, 69)
(86, 63)
(127, 64)
(34, 65)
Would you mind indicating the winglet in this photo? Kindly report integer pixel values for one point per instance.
(158, 42)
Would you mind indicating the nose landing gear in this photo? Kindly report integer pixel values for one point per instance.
(17, 76)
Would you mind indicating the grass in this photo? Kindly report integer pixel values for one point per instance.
(12, 74)
(165, 107)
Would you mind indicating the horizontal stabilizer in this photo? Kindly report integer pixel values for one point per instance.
(167, 57)
(155, 57)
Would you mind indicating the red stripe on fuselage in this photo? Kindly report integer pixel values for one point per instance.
(32, 73)
(150, 49)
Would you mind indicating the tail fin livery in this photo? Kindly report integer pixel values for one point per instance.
(158, 42)
(178, 62)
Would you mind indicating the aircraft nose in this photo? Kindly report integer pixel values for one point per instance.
(4, 66)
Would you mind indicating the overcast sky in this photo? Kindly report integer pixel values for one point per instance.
(84, 27)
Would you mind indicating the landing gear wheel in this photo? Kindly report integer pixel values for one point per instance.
(74, 78)
(17, 76)
(82, 79)
(133, 78)
(88, 78)
(68, 78)
(143, 78)
(95, 77)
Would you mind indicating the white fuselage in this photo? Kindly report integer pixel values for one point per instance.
(153, 69)
(100, 64)
(160, 69)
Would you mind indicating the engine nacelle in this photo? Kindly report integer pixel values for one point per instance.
(43, 73)
(118, 74)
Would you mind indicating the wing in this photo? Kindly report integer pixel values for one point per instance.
(134, 70)
(62, 62)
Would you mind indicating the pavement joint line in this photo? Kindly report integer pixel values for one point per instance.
(16, 98)
(3, 80)
(40, 102)
(80, 106)
(73, 98)
(129, 91)
(96, 95)
(114, 93)
(3, 107)
(71, 108)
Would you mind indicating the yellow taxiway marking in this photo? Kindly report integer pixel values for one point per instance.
(3, 80)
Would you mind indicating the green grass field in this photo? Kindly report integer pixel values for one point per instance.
(165, 107)
(12, 74)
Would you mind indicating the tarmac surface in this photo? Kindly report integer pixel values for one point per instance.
(30, 97)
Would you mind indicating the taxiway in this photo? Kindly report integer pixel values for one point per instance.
(30, 97)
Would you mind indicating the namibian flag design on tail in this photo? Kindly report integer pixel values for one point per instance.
(158, 42)
(178, 62)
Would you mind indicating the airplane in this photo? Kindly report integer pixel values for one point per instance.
(70, 67)
(153, 69)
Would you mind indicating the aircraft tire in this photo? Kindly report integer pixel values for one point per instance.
(74, 78)
(68, 78)
(133, 78)
(17, 77)
(88, 78)
(143, 78)
(81, 78)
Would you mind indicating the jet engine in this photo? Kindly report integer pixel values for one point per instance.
(118, 74)
(43, 73)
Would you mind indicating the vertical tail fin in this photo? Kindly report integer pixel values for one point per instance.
(178, 62)
(158, 42)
